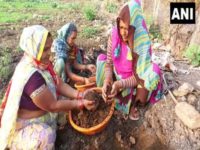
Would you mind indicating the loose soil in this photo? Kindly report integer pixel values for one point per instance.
(86, 118)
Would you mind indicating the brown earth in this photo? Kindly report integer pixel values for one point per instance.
(99, 112)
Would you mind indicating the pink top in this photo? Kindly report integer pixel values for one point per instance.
(117, 52)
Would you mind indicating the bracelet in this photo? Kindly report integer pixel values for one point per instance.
(80, 105)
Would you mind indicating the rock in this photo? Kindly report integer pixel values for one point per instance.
(188, 115)
(96, 144)
(198, 105)
(183, 89)
(181, 99)
(118, 136)
(179, 93)
(97, 39)
(198, 83)
(132, 140)
(169, 128)
(186, 87)
(192, 99)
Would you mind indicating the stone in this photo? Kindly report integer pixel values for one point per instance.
(192, 99)
(188, 115)
(181, 99)
(183, 90)
(132, 140)
(198, 83)
(118, 136)
(178, 93)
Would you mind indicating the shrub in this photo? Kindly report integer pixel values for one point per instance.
(193, 54)
(111, 8)
(5, 69)
(89, 32)
(89, 12)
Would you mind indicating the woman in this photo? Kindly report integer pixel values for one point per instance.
(65, 46)
(137, 79)
(29, 108)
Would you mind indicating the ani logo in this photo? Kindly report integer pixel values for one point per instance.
(182, 13)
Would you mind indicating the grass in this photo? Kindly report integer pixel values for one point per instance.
(89, 12)
(89, 32)
(13, 11)
(154, 32)
(193, 54)
(111, 8)
(5, 62)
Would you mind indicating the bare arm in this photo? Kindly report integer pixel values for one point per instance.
(46, 101)
(79, 66)
(72, 75)
(66, 90)
(109, 62)
(90, 67)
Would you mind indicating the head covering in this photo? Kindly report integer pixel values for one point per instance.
(66, 31)
(60, 45)
(32, 41)
(124, 15)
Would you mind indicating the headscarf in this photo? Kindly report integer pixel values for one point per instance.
(139, 42)
(61, 47)
(32, 42)
(65, 31)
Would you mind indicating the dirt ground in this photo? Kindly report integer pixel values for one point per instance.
(120, 134)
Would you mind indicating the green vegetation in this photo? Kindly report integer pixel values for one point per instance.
(89, 12)
(111, 8)
(5, 62)
(154, 32)
(13, 11)
(89, 32)
(193, 54)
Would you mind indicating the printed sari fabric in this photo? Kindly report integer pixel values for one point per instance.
(32, 42)
(122, 58)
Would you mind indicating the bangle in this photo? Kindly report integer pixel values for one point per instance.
(80, 105)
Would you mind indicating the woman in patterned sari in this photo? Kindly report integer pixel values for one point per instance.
(136, 79)
(67, 55)
(29, 109)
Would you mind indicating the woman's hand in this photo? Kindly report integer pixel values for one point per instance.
(115, 89)
(89, 105)
(105, 89)
(86, 80)
(91, 68)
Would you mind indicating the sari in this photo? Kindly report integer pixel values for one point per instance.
(36, 133)
(124, 59)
